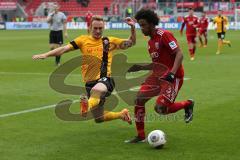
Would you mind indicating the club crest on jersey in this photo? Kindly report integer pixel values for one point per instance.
(156, 45)
(173, 45)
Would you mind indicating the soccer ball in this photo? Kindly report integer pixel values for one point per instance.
(156, 139)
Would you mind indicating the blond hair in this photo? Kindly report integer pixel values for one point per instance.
(96, 18)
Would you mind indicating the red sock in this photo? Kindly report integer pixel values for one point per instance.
(206, 40)
(200, 39)
(191, 52)
(194, 49)
(177, 106)
(139, 120)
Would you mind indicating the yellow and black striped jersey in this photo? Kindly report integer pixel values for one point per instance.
(92, 51)
(221, 22)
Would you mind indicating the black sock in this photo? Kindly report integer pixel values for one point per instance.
(57, 59)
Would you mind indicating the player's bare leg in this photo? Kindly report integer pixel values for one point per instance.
(95, 97)
(95, 104)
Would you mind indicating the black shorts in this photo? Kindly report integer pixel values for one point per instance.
(108, 81)
(221, 35)
(56, 37)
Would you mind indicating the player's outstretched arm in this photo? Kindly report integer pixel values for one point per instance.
(170, 76)
(132, 39)
(178, 61)
(56, 52)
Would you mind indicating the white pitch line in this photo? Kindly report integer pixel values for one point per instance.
(53, 105)
(21, 73)
(31, 110)
(31, 73)
(48, 74)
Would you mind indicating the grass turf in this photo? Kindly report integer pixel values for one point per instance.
(40, 135)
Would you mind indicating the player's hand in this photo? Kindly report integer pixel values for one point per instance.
(168, 77)
(39, 56)
(135, 68)
(129, 21)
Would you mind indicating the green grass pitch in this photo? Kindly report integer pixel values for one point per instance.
(40, 135)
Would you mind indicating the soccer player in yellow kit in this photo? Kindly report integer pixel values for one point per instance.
(221, 22)
(99, 83)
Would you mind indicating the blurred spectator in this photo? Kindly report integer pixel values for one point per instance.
(1, 19)
(17, 19)
(105, 9)
(129, 12)
(5, 17)
(84, 3)
(45, 10)
(180, 19)
(116, 9)
(22, 19)
(167, 10)
(88, 19)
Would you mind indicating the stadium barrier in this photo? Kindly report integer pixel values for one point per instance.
(108, 25)
(2, 26)
(26, 25)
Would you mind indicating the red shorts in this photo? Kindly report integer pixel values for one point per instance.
(202, 32)
(165, 91)
(191, 38)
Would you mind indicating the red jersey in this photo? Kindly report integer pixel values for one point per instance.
(162, 49)
(203, 23)
(88, 18)
(191, 23)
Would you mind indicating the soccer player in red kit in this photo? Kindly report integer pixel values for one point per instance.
(88, 19)
(164, 50)
(202, 30)
(191, 22)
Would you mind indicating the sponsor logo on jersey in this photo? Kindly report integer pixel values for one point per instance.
(173, 45)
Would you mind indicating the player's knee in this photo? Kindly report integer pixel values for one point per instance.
(161, 109)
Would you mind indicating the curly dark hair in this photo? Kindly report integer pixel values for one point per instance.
(147, 14)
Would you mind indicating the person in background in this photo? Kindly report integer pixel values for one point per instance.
(191, 22)
(221, 28)
(58, 26)
(88, 19)
(202, 30)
